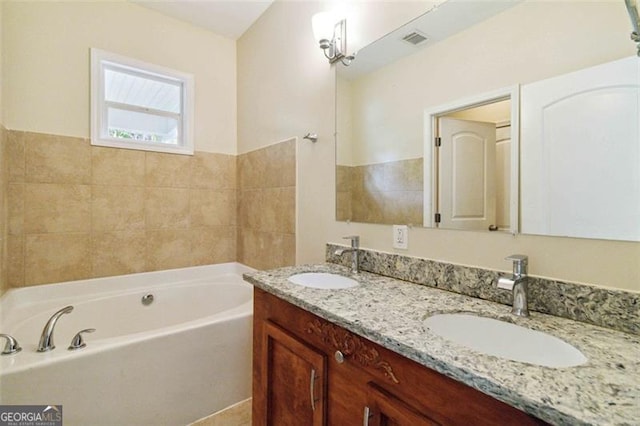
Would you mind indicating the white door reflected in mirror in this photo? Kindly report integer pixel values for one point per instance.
(580, 134)
(466, 174)
(471, 163)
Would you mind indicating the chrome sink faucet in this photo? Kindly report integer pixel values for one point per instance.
(518, 283)
(46, 339)
(354, 250)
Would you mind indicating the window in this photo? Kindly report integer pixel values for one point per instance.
(140, 106)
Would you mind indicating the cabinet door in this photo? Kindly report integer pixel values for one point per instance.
(294, 380)
(385, 409)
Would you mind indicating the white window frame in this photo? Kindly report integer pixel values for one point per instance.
(101, 60)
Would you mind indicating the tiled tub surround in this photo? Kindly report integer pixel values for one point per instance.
(3, 210)
(616, 309)
(390, 192)
(266, 206)
(78, 211)
(344, 192)
(391, 312)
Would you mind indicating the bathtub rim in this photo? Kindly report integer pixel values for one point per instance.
(15, 298)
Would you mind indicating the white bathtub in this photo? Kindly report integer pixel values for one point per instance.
(184, 356)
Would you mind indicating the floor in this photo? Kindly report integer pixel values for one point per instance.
(236, 415)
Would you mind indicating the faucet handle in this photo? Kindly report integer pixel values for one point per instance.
(11, 347)
(518, 258)
(78, 342)
(355, 240)
(520, 262)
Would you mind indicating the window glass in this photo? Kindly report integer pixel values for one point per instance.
(122, 86)
(124, 124)
(140, 106)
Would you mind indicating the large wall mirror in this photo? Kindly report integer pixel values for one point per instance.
(519, 116)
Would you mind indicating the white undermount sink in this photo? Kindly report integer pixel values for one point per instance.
(505, 340)
(322, 280)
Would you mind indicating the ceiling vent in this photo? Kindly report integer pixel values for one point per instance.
(415, 38)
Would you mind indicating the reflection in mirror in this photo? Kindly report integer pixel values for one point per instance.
(383, 169)
(471, 163)
(580, 134)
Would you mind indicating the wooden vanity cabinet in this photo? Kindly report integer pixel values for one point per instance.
(293, 379)
(299, 358)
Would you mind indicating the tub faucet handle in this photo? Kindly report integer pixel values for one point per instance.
(11, 347)
(78, 342)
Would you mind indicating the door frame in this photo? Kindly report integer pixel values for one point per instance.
(431, 116)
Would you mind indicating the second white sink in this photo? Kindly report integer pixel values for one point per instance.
(322, 280)
(505, 340)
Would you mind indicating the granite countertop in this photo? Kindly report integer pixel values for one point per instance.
(390, 312)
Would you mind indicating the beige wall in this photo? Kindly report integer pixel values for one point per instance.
(285, 85)
(344, 123)
(388, 104)
(497, 112)
(79, 211)
(46, 65)
(300, 98)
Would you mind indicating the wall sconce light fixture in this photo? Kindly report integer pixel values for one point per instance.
(330, 31)
(632, 8)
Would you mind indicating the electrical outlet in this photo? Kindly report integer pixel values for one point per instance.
(401, 237)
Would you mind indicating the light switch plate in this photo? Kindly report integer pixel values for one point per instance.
(401, 237)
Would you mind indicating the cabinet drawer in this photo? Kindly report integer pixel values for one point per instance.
(386, 409)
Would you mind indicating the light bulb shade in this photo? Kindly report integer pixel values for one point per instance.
(330, 31)
(323, 24)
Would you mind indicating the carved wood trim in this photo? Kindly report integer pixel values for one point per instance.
(351, 346)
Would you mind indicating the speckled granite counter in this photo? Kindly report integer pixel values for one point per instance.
(390, 312)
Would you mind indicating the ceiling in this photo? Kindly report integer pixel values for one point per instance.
(228, 18)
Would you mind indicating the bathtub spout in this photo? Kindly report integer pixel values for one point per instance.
(46, 339)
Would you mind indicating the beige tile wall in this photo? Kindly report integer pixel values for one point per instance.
(266, 208)
(4, 285)
(78, 211)
(388, 193)
(344, 180)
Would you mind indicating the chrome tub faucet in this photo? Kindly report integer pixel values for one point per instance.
(46, 339)
(518, 283)
(354, 250)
